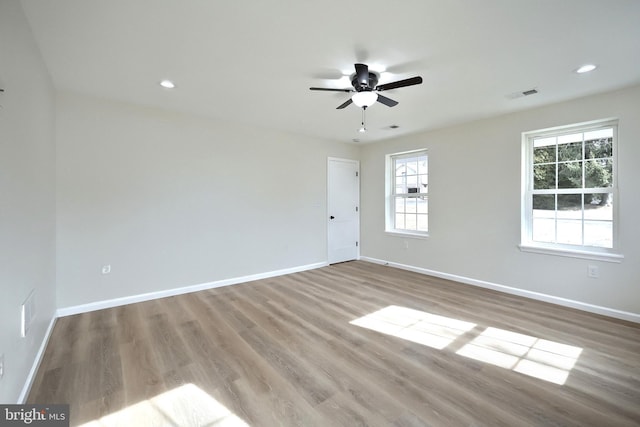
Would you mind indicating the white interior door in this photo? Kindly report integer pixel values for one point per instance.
(343, 209)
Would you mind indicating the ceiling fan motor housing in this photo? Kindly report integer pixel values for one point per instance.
(371, 84)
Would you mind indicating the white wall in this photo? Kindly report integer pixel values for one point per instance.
(474, 203)
(27, 196)
(170, 200)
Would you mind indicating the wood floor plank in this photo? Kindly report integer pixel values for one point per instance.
(140, 373)
(327, 363)
(282, 351)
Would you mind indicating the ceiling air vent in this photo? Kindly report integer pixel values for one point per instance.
(516, 95)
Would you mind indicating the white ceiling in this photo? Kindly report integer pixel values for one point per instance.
(252, 61)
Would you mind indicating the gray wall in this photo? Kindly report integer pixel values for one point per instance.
(170, 200)
(27, 196)
(474, 203)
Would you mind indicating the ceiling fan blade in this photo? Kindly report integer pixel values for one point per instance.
(362, 74)
(400, 83)
(345, 104)
(387, 101)
(328, 89)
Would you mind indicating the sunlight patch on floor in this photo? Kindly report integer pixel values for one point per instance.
(542, 359)
(415, 326)
(186, 405)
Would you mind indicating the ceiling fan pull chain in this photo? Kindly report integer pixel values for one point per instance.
(364, 127)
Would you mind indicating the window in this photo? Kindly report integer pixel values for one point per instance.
(569, 189)
(407, 193)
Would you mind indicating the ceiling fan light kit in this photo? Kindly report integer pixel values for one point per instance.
(364, 99)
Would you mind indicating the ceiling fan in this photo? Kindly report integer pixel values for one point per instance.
(365, 91)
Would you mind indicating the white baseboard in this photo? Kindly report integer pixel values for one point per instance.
(99, 305)
(605, 311)
(36, 363)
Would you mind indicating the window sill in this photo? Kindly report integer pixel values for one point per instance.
(407, 234)
(572, 253)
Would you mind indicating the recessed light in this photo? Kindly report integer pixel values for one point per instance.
(586, 68)
(167, 84)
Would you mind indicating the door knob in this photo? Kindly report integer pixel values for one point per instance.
(332, 217)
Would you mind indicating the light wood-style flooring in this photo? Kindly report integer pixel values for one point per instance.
(282, 352)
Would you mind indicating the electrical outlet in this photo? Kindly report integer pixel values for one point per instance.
(1, 365)
(593, 271)
(106, 269)
(406, 244)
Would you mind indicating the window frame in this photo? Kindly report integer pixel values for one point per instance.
(527, 243)
(390, 194)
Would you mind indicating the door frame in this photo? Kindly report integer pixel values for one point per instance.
(357, 166)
